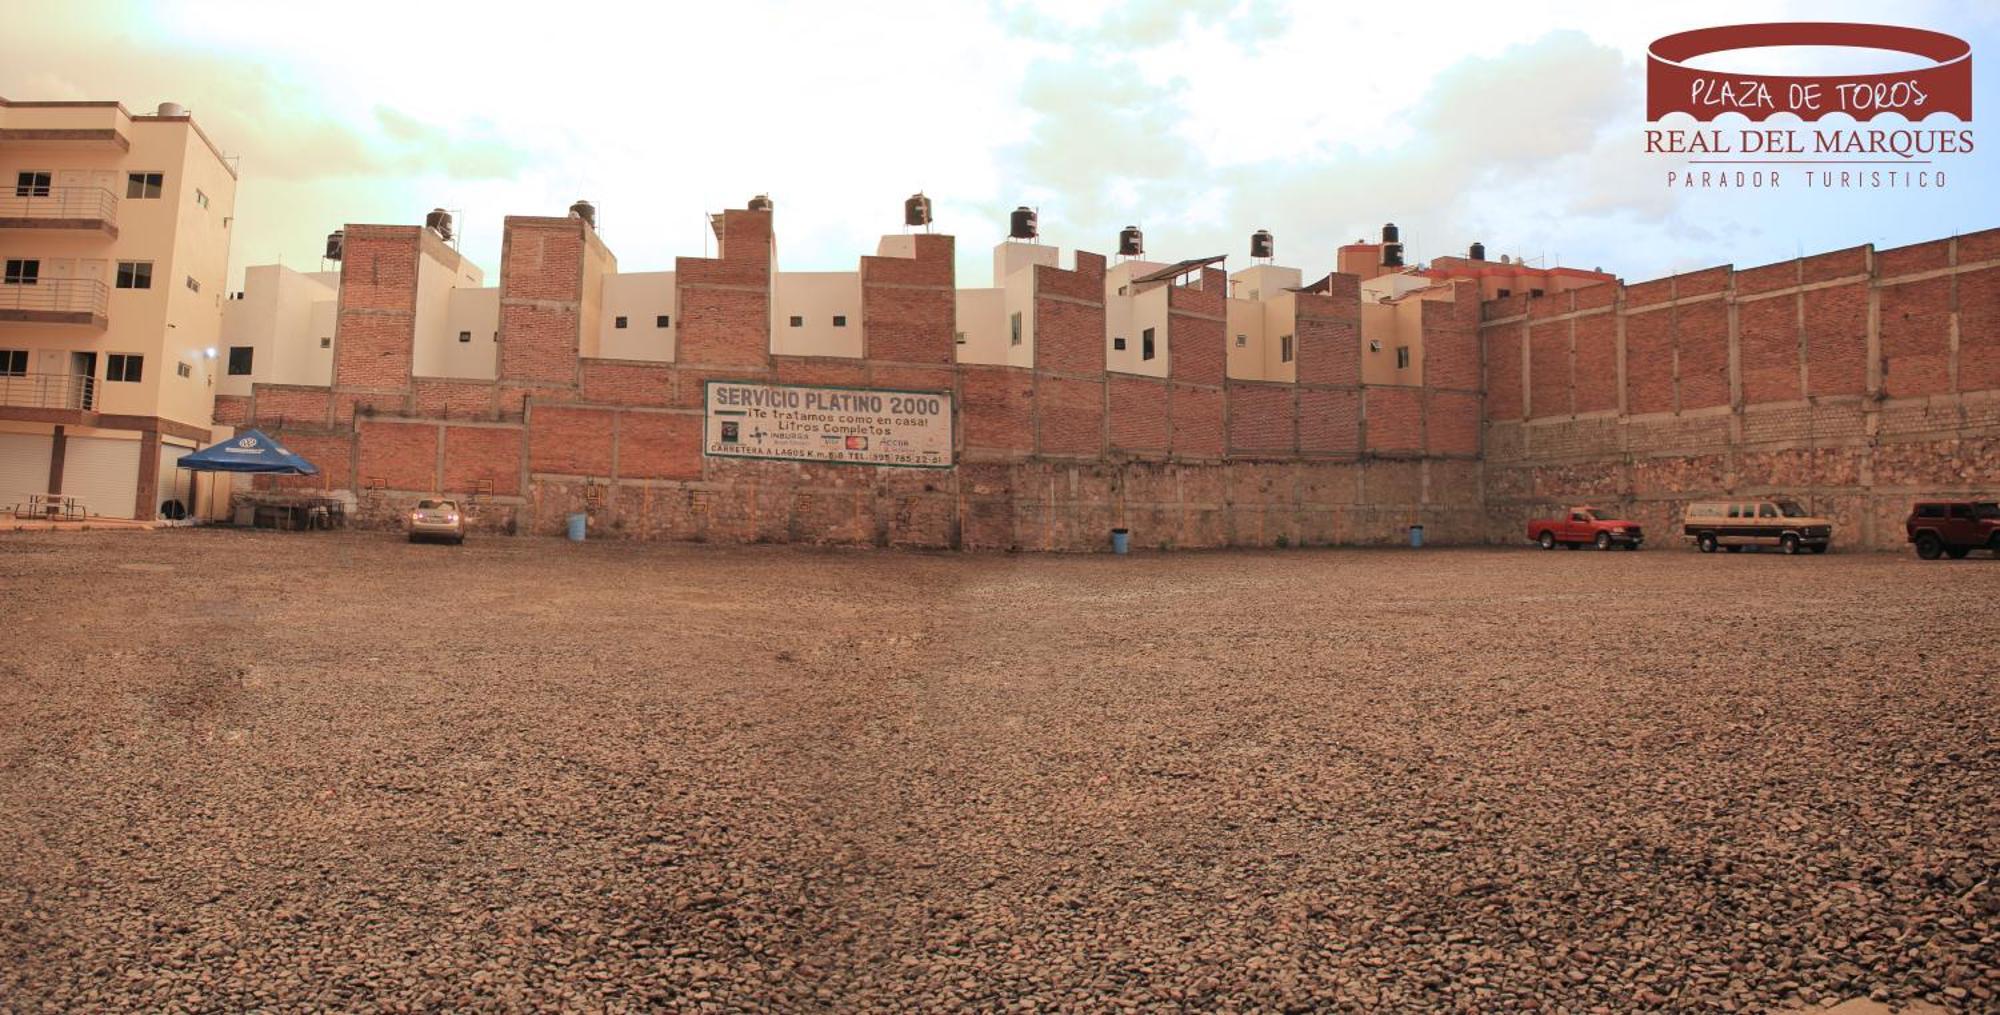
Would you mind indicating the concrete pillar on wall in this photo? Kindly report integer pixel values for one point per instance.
(58, 444)
(147, 504)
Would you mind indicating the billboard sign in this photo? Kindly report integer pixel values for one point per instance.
(857, 426)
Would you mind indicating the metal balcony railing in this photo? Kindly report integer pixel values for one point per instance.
(48, 391)
(94, 204)
(57, 295)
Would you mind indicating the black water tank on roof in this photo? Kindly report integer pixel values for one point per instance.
(585, 211)
(761, 202)
(334, 243)
(1390, 233)
(1478, 251)
(439, 222)
(1131, 242)
(1392, 255)
(1023, 224)
(917, 210)
(1262, 244)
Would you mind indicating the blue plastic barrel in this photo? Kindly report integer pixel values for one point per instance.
(1416, 537)
(1120, 540)
(576, 526)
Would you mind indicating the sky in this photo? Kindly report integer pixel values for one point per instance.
(1201, 121)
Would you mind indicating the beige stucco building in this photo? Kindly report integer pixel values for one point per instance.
(115, 231)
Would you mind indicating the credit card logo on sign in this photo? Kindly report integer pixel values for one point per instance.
(730, 432)
(855, 442)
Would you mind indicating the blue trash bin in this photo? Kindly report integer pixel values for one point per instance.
(577, 522)
(1120, 540)
(1416, 537)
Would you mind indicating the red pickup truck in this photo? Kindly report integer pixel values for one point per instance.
(1586, 526)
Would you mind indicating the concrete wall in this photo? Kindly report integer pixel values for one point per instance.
(1856, 381)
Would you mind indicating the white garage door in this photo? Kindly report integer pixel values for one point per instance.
(173, 482)
(24, 468)
(104, 472)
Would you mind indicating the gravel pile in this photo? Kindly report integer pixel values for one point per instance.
(242, 770)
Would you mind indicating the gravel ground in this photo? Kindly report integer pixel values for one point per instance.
(337, 770)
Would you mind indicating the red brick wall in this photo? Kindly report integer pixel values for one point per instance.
(997, 408)
(1069, 317)
(290, 406)
(1702, 338)
(1329, 333)
(1393, 420)
(232, 410)
(1595, 374)
(1138, 413)
(331, 453)
(475, 453)
(1916, 334)
(619, 382)
(570, 442)
(1451, 422)
(1197, 333)
(1768, 347)
(541, 298)
(1837, 340)
(1070, 416)
(443, 399)
(1979, 326)
(659, 445)
(1330, 422)
(1649, 361)
(402, 456)
(1548, 369)
(1261, 419)
(375, 329)
(1503, 371)
(1451, 340)
(1196, 421)
(909, 305)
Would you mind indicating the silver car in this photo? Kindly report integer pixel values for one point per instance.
(437, 519)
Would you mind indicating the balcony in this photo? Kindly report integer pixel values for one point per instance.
(83, 301)
(89, 208)
(48, 391)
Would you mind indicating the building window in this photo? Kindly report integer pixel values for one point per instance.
(465, 336)
(1014, 328)
(143, 185)
(1118, 344)
(618, 322)
(840, 320)
(1402, 357)
(662, 321)
(1242, 340)
(1284, 348)
(13, 362)
(135, 274)
(200, 198)
(1504, 293)
(958, 337)
(31, 185)
(239, 360)
(798, 322)
(126, 367)
(182, 368)
(1146, 344)
(326, 341)
(1534, 294)
(193, 286)
(22, 272)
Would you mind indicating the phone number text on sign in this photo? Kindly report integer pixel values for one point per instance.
(852, 425)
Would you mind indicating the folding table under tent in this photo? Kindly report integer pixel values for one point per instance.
(251, 451)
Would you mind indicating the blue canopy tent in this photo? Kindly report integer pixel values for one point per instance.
(249, 451)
